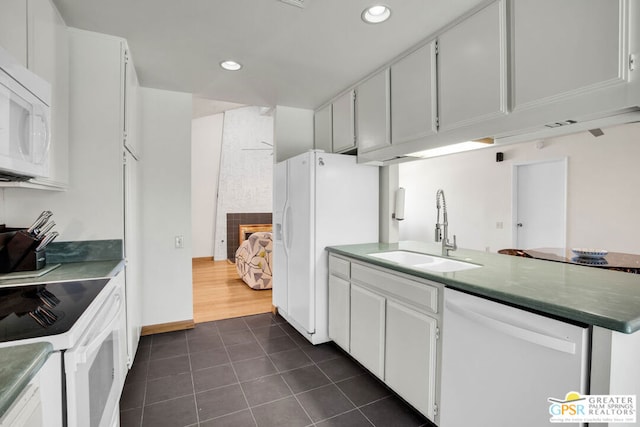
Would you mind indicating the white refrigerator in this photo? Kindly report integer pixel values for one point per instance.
(320, 199)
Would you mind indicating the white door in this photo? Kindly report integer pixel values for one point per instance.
(299, 220)
(540, 205)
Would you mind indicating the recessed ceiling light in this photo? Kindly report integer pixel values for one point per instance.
(376, 14)
(230, 65)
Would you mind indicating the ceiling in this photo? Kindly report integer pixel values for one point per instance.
(298, 57)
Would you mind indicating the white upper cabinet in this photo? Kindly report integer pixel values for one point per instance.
(413, 95)
(472, 69)
(561, 49)
(323, 129)
(13, 29)
(130, 115)
(373, 114)
(48, 57)
(343, 123)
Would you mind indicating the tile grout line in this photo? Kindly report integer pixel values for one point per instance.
(193, 384)
(284, 380)
(235, 373)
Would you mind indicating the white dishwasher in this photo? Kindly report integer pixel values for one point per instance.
(500, 364)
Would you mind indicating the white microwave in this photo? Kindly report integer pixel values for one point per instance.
(25, 113)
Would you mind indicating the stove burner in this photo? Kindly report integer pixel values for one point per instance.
(47, 309)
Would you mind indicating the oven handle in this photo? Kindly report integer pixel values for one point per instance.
(83, 350)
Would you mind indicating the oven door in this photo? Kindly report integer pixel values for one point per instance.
(94, 368)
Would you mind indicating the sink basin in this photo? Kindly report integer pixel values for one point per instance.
(425, 262)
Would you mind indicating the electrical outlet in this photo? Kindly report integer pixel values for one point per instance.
(179, 242)
(499, 225)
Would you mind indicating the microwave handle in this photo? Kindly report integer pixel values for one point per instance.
(40, 153)
(84, 350)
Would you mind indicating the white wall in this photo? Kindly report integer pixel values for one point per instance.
(206, 141)
(246, 169)
(166, 206)
(293, 131)
(602, 202)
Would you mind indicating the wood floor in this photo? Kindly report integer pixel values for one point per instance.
(218, 293)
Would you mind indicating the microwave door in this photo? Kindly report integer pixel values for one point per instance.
(20, 128)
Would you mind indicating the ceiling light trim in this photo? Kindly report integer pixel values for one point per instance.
(376, 14)
(231, 65)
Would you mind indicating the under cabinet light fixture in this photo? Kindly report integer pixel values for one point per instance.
(230, 65)
(376, 14)
(453, 148)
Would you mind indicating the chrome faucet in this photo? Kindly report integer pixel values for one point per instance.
(444, 226)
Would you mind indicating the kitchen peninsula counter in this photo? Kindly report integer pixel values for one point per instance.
(594, 296)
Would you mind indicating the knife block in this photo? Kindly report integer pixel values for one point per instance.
(18, 252)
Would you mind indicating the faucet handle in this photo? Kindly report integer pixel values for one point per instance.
(455, 245)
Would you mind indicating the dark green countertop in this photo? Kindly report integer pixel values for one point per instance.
(18, 365)
(610, 299)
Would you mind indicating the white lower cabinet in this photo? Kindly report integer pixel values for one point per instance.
(389, 322)
(40, 403)
(368, 329)
(410, 356)
(339, 301)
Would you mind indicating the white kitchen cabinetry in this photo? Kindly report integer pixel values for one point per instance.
(323, 129)
(130, 104)
(106, 174)
(393, 323)
(48, 57)
(368, 329)
(373, 113)
(562, 49)
(339, 301)
(410, 364)
(36, 35)
(40, 403)
(13, 29)
(472, 69)
(343, 123)
(413, 95)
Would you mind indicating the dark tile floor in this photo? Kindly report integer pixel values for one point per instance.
(253, 371)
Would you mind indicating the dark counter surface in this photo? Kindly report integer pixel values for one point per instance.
(594, 296)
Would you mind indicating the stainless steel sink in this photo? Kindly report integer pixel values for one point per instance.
(425, 262)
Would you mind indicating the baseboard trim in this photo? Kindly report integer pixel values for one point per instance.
(167, 327)
(202, 259)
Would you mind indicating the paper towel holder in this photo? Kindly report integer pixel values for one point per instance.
(398, 215)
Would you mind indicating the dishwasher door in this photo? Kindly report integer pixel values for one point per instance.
(500, 364)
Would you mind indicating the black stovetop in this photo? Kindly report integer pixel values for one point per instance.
(46, 309)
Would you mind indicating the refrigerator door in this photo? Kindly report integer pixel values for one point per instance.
(298, 230)
(280, 208)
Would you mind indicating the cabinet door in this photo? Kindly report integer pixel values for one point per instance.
(323, 129)
(557, 51)
(343, 123)
(49, 58)
(413, 96)
(472, 65)
(410, 362)
(372, 113)
(339, 311)
(13, 29)
(368, 329)
(130, 104)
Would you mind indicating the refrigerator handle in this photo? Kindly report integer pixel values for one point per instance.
(285, 229)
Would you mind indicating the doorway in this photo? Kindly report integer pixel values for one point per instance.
(540, 204)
